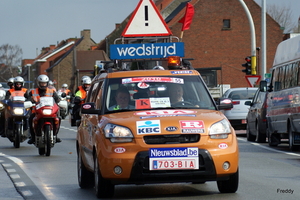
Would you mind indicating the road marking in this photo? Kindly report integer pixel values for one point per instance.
(70, 129)
(271, 149)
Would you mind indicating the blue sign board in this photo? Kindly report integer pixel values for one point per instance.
(146, 50)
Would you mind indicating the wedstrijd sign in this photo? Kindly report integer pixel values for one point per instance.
(146, 50)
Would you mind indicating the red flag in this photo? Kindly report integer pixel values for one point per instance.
(187, 18)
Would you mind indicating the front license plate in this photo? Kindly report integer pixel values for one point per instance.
(173, 158)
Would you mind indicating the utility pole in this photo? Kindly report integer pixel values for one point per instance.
(253, 38)
(263, 65)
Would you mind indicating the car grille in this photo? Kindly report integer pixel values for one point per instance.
(172, 139)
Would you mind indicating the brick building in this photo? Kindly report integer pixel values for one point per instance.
(219, 37)
(68, 61)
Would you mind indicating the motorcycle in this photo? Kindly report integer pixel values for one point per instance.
(16, 112)
(46, 124)
(64, 100)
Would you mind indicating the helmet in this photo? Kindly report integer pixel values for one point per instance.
(42, 79)
(50, 83)
(18, 79)
(86, 81)
(10, 82)
(64, 85)
(84, 77)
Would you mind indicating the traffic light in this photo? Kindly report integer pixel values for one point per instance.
(247, 66)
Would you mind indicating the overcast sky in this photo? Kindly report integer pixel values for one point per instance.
(34, 24)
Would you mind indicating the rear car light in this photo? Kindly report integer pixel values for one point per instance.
(235, 102)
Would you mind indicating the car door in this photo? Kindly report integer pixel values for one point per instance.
(252, 114)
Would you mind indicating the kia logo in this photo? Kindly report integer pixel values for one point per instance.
(171, 128)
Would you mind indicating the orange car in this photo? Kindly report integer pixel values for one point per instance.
(154, 126)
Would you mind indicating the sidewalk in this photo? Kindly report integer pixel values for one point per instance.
(7, 187)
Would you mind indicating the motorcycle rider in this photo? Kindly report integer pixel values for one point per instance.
(80, 96)
(64, 88)
(41, 91)
(51, 85)
(10, 82)
(18, 86)
(18, 83)
(2, 92)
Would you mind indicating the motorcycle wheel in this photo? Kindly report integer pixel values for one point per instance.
(18, 133)
(47, 140)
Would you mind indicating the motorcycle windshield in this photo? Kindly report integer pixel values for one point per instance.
(45, 101)
(17, 96)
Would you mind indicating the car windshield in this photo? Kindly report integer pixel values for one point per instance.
(242, 94)
(155, 92)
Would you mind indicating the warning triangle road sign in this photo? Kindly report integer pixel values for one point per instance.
(253, 80)
(146, 21)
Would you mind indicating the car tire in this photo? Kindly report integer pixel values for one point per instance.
(103, 188)
(85, 177)
(250, 137)
(273, 140)
(260, 137)
(230, 185)
(292, 147)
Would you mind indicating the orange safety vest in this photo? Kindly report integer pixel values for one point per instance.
(83, 93)
(17, 92)
(36, 96)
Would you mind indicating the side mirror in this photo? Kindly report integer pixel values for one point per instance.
(224, 103)
(248, 103)
(89, 108)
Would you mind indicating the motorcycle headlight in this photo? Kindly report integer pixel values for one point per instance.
(220, 130)
(47, 111)
(118, 133)
(18, 111)
(1, 106)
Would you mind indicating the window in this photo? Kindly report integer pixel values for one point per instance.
(226, 24)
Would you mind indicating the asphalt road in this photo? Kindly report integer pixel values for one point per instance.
(265, 173)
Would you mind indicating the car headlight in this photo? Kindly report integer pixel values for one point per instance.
(18, 111)
(47, 111)
(118, 133)
(220, 130)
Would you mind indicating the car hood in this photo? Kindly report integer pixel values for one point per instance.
(173, 121)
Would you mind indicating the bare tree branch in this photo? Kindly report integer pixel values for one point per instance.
(10, 58)
(283, 16)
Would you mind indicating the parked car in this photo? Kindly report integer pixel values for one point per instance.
(152, 136)
(237, 115)
(256, 117)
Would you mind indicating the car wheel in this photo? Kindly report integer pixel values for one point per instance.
(292, 147)
(85, 177)
(250, 137)
(230, 185)
(103, 187)
(260, 137)
(273, 140)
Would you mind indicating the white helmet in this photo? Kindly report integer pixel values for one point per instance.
(87, 80)
(19, 79)
(64, 85)
(42, 79)
(84, 77)
(10, 82)
(50, 83)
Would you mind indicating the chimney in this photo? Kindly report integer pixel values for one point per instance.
(86, 34)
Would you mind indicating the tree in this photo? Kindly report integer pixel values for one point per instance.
(282, 15)
(10, 60)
